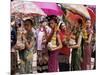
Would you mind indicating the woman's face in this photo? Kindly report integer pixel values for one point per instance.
(88, 23)
(63, 27)
(27, 27)
(52, 24)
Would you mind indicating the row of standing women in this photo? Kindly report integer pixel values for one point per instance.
(53, 47)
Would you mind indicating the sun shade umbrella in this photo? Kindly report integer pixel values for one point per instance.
(79, 9)
(50, 8)
(93, 7)
(92, 15)
(72, 18)
(26, 8)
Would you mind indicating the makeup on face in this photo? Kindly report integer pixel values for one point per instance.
(52, 24)
(88, 23)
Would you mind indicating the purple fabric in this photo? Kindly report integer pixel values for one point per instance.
(53, 61)
(86, 56)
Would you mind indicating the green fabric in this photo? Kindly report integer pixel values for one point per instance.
(76, 59)
(26, 56)
(26, 62)
(76, 56)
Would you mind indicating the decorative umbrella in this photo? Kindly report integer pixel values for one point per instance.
(80, 9)
(72, 18)
(26, 8)
(92, 15)
(93, 7)
(50, 8)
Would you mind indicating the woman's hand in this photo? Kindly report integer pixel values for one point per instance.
(74, 46)
(24, 37)
(44, 41)
(86, 41)
(53, 48)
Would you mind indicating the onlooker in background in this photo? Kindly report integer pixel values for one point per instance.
(41, 50)
(26, 54)
(14, 66)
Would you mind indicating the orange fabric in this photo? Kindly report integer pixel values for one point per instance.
(73, 17)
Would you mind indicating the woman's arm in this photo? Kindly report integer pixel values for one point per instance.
(78, 42)
(60, 43)
(49, 36)
(89, 39)
(72, 36)
(29, 44)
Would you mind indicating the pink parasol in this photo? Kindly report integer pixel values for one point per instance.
(50, 8)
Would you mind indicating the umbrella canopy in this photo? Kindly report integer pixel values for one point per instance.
(93, 7)
(80, 9)
(50, 8)
(72, 18)
(92, 15)
(25, 7)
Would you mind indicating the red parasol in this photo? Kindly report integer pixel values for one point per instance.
(92, 15)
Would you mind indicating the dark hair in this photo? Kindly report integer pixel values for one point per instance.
(42, 22)
(60, 26)
(19, 24)
(55, 20)
(85, 5)
(52, 17)
(28, 21)
(79, 21)
(88, 19)
(12, 18)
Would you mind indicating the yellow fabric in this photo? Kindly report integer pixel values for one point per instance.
(85, 34)
(53, 40)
